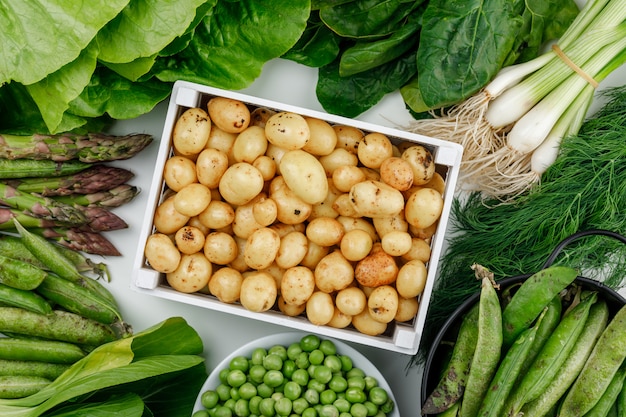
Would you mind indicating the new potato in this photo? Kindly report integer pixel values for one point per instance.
(304, 175)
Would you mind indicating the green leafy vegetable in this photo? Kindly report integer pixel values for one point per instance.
(317, 46)
(165, 354)
(234, 41)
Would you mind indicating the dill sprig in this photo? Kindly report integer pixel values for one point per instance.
(584, 189)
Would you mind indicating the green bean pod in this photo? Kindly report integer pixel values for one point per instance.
(453, 411)
(608, 398)
(20, 386)
(450, 388)
(18, 274)
(78, 299)
(508, 371)
(531, 297)
(488, 349)
(549, 398)
(620, 403)
(60, 325)
(38, 350)
(553, 354)
(603, 363)
(27, 300)
(46, 370)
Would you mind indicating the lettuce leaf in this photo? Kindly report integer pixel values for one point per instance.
(40, 36)
(234, 41)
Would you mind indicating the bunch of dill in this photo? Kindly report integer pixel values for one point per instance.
(584, 189)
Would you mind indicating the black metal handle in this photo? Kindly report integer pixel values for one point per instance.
(579, 235)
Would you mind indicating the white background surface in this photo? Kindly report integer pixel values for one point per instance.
(285, 82)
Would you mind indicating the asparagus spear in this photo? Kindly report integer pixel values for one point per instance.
(42, 207)
(100, 219)
(76, 239)
(7, 214)
(92, 180)
(93, 147)
(97, 219)
(115, 197)
(23, 168)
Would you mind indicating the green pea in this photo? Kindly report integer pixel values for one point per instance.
(372, 409)
(299, 405)
(236, 378)
(264, 390)
(223, 374)
(329, 410)
(257, 356)
(328, 347)
(273, 361)
(338, 383)
(310, 342)
(333, 362)
(289, 367)
(241, 408)
(316, 385)
(309, 412)
(283, 406)
(346, 363)
(266, 406)
(302, 361)
(240, 363)
(292, 390)
(370, 382)
(355, 395)
(328, 396)
(356, 382)
(254, 403)
(223, 391)
(355, 372)
(293, 351)
(247, 390)
(378, 395)
(316, 357)
(230, 403)
(234, 393)
(279, 350)
(277, 396)
(256, 373)
(209, 399)
(300, 376)
(273, 378)
(323, 374)
(342, 405)
(388, 406)
(311, 396)
(345, 414)
(358, 410)
(223, 411)
(201, 413)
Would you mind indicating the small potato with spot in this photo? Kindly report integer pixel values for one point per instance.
(422, 163)
(373, 149)
(304, 175)
(376, 199)
(191, 131)
(189, 239)
(167, 219)
(333, 272)
(261, 248)
(382, 303)
(220, 248)
(193, 273)
(210, 166)
(411, 279)
(161, 253)
(423, 208)
(287, 130)
(258, 291)
(230, 115)
(225, 284)
(192, 199)
(397, 172)
(240, 183)
(178, 172)
(296, 285)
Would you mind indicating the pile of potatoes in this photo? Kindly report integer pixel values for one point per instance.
(275, 210)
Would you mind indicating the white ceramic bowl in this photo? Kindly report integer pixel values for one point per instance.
(285, 339)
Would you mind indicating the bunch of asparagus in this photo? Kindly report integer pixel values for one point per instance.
(60, 187)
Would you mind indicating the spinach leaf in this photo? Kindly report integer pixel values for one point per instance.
(129, 404)
(365, 55)
(351, 96)
(109, 93)
(317, 46)
(463, 44)
(29, 29)
(144, 28)
(234, 41)
(367, 18)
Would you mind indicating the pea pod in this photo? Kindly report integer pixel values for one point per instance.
(508, 371)
(596, 323)
(604, 361)
(608, 398)
(18, 274)
(33, 368)
(21, 386)
(620, 403)
(450, 412)
(550, 320)
(553, 354)
(488, 348)
(24, 299)
(450, 388)
(37, 350)
(531, 297)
